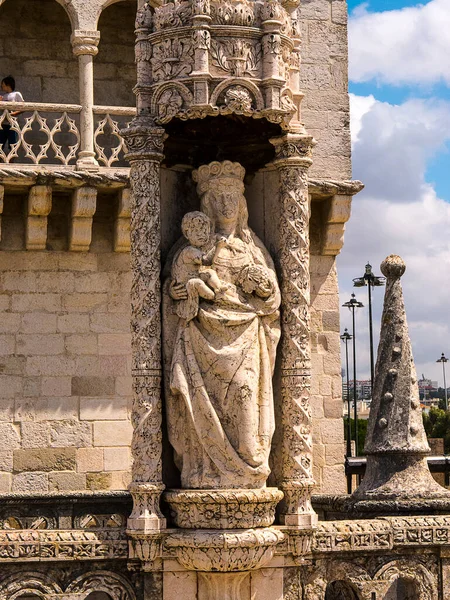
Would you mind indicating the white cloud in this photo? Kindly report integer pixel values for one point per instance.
(404, 46)
(399, 213)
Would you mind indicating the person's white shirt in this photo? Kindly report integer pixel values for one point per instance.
(12, 97)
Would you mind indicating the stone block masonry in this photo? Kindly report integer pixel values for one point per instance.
(65, 383)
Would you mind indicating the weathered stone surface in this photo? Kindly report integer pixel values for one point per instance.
(238, 272)
(45, 459)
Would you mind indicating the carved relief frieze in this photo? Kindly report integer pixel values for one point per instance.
(236, 56)
(172, 58)
(172, 14)
(342, 536)
(62, 544)
(233, 13)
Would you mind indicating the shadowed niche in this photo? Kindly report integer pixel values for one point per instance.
(232, 137)
(340, 590)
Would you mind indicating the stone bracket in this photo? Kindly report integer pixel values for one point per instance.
(339, 210)
(38, 208)
(84, 203)
(122, 222)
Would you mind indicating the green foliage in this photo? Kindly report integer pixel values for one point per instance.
(362, 431)
(437, 425)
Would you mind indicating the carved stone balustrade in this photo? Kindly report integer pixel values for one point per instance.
(64, 136)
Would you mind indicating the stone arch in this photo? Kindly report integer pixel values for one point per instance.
(409, 570)
(44, 72)
(115, 65)
(116, 586)
(249, 85)
(104, 4)
(71, 13)
(28, 584)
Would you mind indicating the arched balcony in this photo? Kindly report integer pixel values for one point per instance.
(76, 73)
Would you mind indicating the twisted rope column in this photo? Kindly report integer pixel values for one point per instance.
(145, 153)
(293, 153)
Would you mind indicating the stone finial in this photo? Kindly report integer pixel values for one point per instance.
(396, 444)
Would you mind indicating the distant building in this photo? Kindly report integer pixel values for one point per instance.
(363, 389)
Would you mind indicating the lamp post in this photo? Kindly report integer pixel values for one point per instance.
(346, 337)
(371, 281)
(443, 360)
(352, 304)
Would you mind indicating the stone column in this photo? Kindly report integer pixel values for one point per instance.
(292, 161)
(201, 41)
(84, 44)
(145, 153)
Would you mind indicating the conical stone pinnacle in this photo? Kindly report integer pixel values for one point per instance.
(396, 444)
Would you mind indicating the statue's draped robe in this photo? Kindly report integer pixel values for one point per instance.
(219, 398)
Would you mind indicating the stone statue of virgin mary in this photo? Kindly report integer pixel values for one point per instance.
(221, 329)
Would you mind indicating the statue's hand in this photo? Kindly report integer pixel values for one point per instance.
(178, 291)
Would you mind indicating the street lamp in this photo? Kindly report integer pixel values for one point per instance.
(346, 337)
(443, 360)
(371, 281)
(352, 304)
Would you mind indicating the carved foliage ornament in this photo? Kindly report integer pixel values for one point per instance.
(238, 99)
(172, 14)
(233, 13)
(236, 56)
(172, 58)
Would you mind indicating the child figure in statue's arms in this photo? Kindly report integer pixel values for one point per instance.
(189, 266)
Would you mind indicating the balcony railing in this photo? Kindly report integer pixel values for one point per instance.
(50, 134)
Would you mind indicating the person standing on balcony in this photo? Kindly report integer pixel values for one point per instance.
(8, 137)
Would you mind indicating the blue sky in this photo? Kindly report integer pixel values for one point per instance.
(399, 72)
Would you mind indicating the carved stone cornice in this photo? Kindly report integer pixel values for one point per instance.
(85, 42)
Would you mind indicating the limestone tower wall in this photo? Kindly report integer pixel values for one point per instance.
(65, 358)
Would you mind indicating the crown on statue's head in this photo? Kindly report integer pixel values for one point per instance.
(205, 174)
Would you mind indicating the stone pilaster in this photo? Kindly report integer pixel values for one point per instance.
(84, 45)
(201, 41)
(145, 153)
(292, 161)
(143, 53)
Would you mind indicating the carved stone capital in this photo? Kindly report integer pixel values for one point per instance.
(85, 42)
(145, 547)
(224, 551)
(144, 140)
(293, 149)
(146, 515)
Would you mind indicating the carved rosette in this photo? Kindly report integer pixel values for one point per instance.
(225, 551)
(292, 161)
(145, 146)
